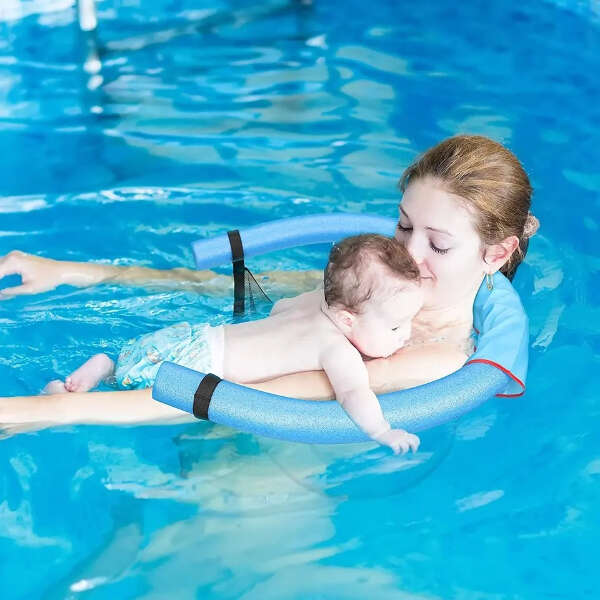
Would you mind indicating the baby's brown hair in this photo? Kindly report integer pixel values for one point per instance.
(344, 283)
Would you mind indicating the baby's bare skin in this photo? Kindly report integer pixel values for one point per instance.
(303, 334)
(85, 378)
(288, 341)
(90, 374)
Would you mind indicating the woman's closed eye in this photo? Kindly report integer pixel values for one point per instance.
(407, 228)
(438, 250)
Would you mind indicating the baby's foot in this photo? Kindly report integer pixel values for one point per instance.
(90, 374)
(56, 386)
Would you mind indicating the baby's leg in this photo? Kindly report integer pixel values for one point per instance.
(90, 374)
(56, 386)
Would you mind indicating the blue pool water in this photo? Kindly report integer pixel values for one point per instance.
(197, 117)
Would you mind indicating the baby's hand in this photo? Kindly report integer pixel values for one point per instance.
(398, 440)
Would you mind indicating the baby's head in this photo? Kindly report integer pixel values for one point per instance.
(372, 291)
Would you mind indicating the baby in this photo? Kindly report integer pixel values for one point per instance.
(371, 293)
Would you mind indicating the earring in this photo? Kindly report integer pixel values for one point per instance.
(489, 281)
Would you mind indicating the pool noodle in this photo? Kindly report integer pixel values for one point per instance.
(414, 409)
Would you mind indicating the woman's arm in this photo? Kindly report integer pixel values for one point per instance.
(409, 367)
(133, 407)
(414, 365)
(19, 414)
(29, 413)
(292, 282)
(310, 385)
(40, 274)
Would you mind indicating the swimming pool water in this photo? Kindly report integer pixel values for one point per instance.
(181, 119)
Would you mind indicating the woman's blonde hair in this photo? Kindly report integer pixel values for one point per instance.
(491, 181)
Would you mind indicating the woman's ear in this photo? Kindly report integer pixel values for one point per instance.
(497, 255)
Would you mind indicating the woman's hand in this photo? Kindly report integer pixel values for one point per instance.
(43, 274)
(37, 274)
(40, 274)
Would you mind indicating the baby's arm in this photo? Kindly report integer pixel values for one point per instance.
(350, 381)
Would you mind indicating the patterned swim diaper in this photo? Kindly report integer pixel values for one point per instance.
(199, 347)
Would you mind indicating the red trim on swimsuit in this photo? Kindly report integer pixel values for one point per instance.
(485, 361)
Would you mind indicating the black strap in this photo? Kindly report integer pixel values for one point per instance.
(237, 259)
(203, 395)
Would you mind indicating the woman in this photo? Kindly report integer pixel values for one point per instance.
(464, 216)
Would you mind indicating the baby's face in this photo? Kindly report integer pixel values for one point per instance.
(384, 323)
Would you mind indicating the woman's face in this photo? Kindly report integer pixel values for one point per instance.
(438, 231)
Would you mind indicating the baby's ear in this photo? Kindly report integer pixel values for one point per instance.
(345, 319)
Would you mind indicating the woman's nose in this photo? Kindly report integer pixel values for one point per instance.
(414, 247)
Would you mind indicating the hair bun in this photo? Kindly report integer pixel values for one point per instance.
(532, 224)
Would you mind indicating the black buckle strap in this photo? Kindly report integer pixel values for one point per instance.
(204, 394)
(239, 268)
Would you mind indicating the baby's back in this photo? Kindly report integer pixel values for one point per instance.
(288, 341)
